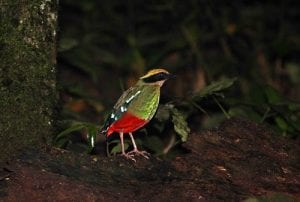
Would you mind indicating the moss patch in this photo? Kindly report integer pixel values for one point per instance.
(27, 74)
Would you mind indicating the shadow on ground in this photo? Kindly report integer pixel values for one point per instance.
(238, 160)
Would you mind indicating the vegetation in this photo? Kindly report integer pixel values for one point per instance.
(106, 45)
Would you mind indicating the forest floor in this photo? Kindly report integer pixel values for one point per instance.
(237, 161)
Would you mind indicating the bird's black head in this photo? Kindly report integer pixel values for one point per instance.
(156, 75)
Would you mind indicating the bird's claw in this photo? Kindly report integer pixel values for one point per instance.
(129, 156)
(140, 153)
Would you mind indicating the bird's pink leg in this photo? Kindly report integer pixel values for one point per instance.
(128, 156)
(135, 149)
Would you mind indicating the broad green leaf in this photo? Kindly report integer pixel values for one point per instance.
(282, 124)
(215, 88)
(180, 124)
(273, 95)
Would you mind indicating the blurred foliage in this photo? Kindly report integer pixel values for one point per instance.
(89, 130)
(104, 46)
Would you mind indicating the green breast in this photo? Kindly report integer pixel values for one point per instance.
(145, 105)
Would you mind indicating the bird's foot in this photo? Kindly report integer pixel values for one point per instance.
(129, 156)
(140, 153)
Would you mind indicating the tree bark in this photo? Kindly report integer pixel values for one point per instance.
(27, 73)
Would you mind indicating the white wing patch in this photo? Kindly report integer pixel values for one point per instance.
(133, 96)
(113, 116)
(123, 109)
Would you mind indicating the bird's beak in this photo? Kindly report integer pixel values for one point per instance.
(171, 76)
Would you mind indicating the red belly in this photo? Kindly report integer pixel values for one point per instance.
(126, 124)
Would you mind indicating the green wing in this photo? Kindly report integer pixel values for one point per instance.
(128, 96)
(121, 106)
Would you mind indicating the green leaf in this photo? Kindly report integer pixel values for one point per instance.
(294, 106)
(215, 88)
(69, 130)
(273, 95)
(62, 138)
(246, 112)
(91, 135)
(180, 124)
(282, 124)
(62, 142)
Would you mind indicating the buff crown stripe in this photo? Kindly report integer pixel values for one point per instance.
(153, 72)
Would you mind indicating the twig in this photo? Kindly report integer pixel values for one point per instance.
(221, 107)
(170, 144)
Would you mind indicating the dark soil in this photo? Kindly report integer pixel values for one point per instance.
(238, 160)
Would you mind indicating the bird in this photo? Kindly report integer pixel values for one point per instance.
(135, 108)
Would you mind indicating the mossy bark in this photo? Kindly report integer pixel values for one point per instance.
(27, 73)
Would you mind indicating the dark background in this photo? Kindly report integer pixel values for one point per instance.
(105, 46)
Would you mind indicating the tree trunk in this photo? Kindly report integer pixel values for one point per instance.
(27, 73)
